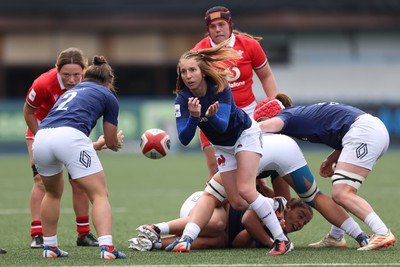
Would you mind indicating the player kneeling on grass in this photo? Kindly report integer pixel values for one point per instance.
(63, 140)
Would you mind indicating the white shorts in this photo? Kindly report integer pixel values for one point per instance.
(280, 153)
(55, 148)
(250, 109)
(249, 140)
(365, 142)
(189, 203)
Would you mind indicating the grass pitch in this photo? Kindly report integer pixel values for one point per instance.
(149, 191)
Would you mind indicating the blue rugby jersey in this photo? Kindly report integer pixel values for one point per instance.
(81, 107)
(224, 128)
(325, 123)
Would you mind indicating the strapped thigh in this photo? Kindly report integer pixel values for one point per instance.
(349, 178)
(216, 189)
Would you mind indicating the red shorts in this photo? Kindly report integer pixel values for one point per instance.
(204, 141)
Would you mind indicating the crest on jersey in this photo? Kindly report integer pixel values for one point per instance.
(178, 111)
(32, 95)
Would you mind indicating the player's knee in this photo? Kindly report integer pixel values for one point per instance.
(219, 226)
(238, 203)
(309, 196)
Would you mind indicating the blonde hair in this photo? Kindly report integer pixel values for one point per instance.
(210, 62)
(257, 38)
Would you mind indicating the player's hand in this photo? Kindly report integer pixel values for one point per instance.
(327, 168)
(212, 110)
(100, 143)
(194, 107)
(120, 136)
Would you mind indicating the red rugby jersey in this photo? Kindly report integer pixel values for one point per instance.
(44, 92)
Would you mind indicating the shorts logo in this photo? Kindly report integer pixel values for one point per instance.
(221, 160)
(85, 159)
(362, 151)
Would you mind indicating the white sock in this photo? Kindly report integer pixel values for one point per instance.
(376, 224)
(266, 213)
(351, 227)
(192, 230)
(336, 232)
(164, 228)
(157, 245)
(105, 240)
(50, 241)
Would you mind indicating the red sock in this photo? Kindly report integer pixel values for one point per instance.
(110, 248)
(36, 228)
(82, 225)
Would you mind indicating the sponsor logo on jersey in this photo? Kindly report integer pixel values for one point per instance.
(236, 84)
(235, 71)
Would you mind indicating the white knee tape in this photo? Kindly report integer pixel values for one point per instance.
(349, 178)
(310, 194)
(216, 189)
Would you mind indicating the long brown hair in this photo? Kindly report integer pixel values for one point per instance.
(210, 62)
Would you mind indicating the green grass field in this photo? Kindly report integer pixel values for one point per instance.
(149, 191)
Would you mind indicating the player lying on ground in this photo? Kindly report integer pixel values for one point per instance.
(283, 155)
(227, 227)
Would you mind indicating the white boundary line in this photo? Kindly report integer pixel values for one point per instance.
(268, 265)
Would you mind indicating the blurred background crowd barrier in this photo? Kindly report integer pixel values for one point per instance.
(319, 50)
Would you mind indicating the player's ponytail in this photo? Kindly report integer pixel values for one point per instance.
(101, 72)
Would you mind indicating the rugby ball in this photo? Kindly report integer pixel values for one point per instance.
(155, 143)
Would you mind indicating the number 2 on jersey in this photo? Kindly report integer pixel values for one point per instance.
(68, 97)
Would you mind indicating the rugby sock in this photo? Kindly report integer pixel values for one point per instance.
(192, 230)
(351, 227)
(36, 228)
(82, 225)
(50, 241)
(336, 232)
(376, 224)
(164, 228)
(266, 213)
(157, 245)
(105, 240)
